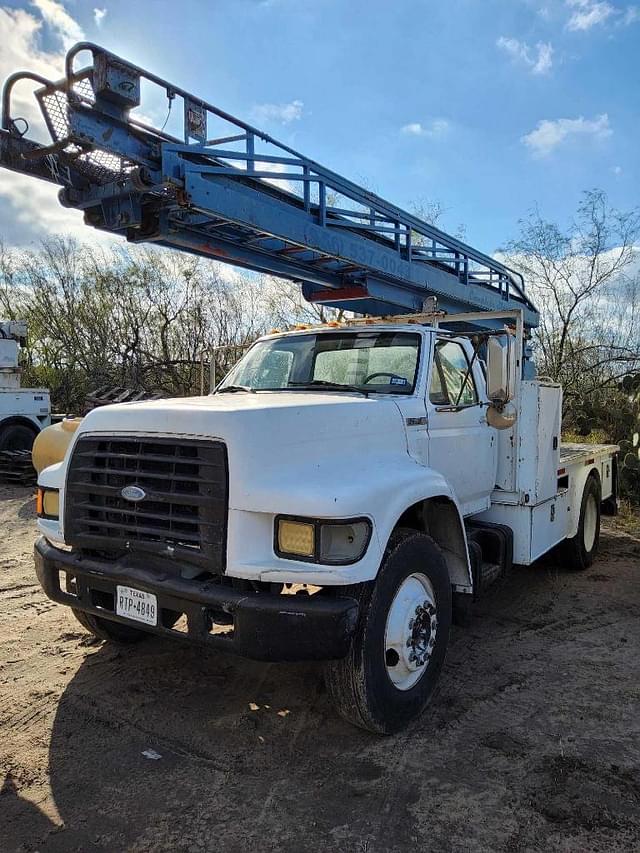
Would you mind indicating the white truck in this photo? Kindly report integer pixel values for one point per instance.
(23, 411)
(344, 493)
(347, 490)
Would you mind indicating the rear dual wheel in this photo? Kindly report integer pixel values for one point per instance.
(580, 550)
(396, 656)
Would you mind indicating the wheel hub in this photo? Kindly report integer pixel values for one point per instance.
(410, 632)
(423, 633)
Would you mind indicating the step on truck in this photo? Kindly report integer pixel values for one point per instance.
(348, 490)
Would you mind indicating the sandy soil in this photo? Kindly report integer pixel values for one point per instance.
(532, 743)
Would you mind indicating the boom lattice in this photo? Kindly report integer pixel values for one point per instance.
(224, 189)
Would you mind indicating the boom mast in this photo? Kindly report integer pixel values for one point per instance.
(226, 190)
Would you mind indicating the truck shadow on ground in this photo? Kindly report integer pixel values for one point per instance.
(164, 746)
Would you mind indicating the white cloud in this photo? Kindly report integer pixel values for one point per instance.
(99, 16)
(539, 59)
(617, 171)
(549, 134)
(56, 16)
(630, 16)
(545, 58)
(413, 129)
(280, 183)
(588, 13)
(435, 128)
(281, 113)
(29, 208)
(21, 48)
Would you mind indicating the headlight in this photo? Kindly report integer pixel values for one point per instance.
(47, 503)
(296, 537)
(316, 541)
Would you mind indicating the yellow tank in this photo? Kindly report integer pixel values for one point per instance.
(51, 444)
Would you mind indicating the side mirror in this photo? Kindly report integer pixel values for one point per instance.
(501, 380)
(501, 369)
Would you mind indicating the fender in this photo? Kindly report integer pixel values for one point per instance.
(429, 504)
(386, 492)
(30, 421)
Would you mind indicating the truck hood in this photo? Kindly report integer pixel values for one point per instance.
(299, 441)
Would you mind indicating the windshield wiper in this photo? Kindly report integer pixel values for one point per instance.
(334, 386)
(232, 388)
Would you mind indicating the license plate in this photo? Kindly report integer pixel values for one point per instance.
(137, 605)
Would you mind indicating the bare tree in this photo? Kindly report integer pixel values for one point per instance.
(585, 282)
(432, 212)
(139, 318)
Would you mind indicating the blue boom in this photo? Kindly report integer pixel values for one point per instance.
(229, 191)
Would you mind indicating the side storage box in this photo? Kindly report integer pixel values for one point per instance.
(536, 529)
(549, 522)
(538, 428)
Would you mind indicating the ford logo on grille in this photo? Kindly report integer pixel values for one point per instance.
(133, 493)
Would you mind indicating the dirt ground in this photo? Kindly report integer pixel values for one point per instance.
(532, 742)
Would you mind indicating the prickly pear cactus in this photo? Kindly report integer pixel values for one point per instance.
(630, 467)
(630, 450)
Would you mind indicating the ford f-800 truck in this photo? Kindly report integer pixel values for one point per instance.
(348, 490)
(343, 493)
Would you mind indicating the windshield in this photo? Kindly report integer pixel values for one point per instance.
(366, 361)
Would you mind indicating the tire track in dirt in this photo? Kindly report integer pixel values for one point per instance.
(18, 587)
(538, 700)
(23, 717)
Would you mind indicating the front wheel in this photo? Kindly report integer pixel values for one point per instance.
(105, 629)
(398, 650)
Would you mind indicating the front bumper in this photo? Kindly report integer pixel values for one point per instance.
(265, 626)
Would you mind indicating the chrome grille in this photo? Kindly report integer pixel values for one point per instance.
(183, 512)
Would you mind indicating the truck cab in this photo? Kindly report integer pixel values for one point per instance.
(341, 491)
(329, 423)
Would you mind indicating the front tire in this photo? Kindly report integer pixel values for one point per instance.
(399, 647)
(105, 629)
(580, 550)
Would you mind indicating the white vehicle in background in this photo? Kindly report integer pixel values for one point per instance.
(24, 412)
(343, 495)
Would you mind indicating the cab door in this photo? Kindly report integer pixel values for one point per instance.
(462, 445)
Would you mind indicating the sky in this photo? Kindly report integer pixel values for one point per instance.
(487, 107)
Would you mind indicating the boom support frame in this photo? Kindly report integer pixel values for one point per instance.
(224, 189)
